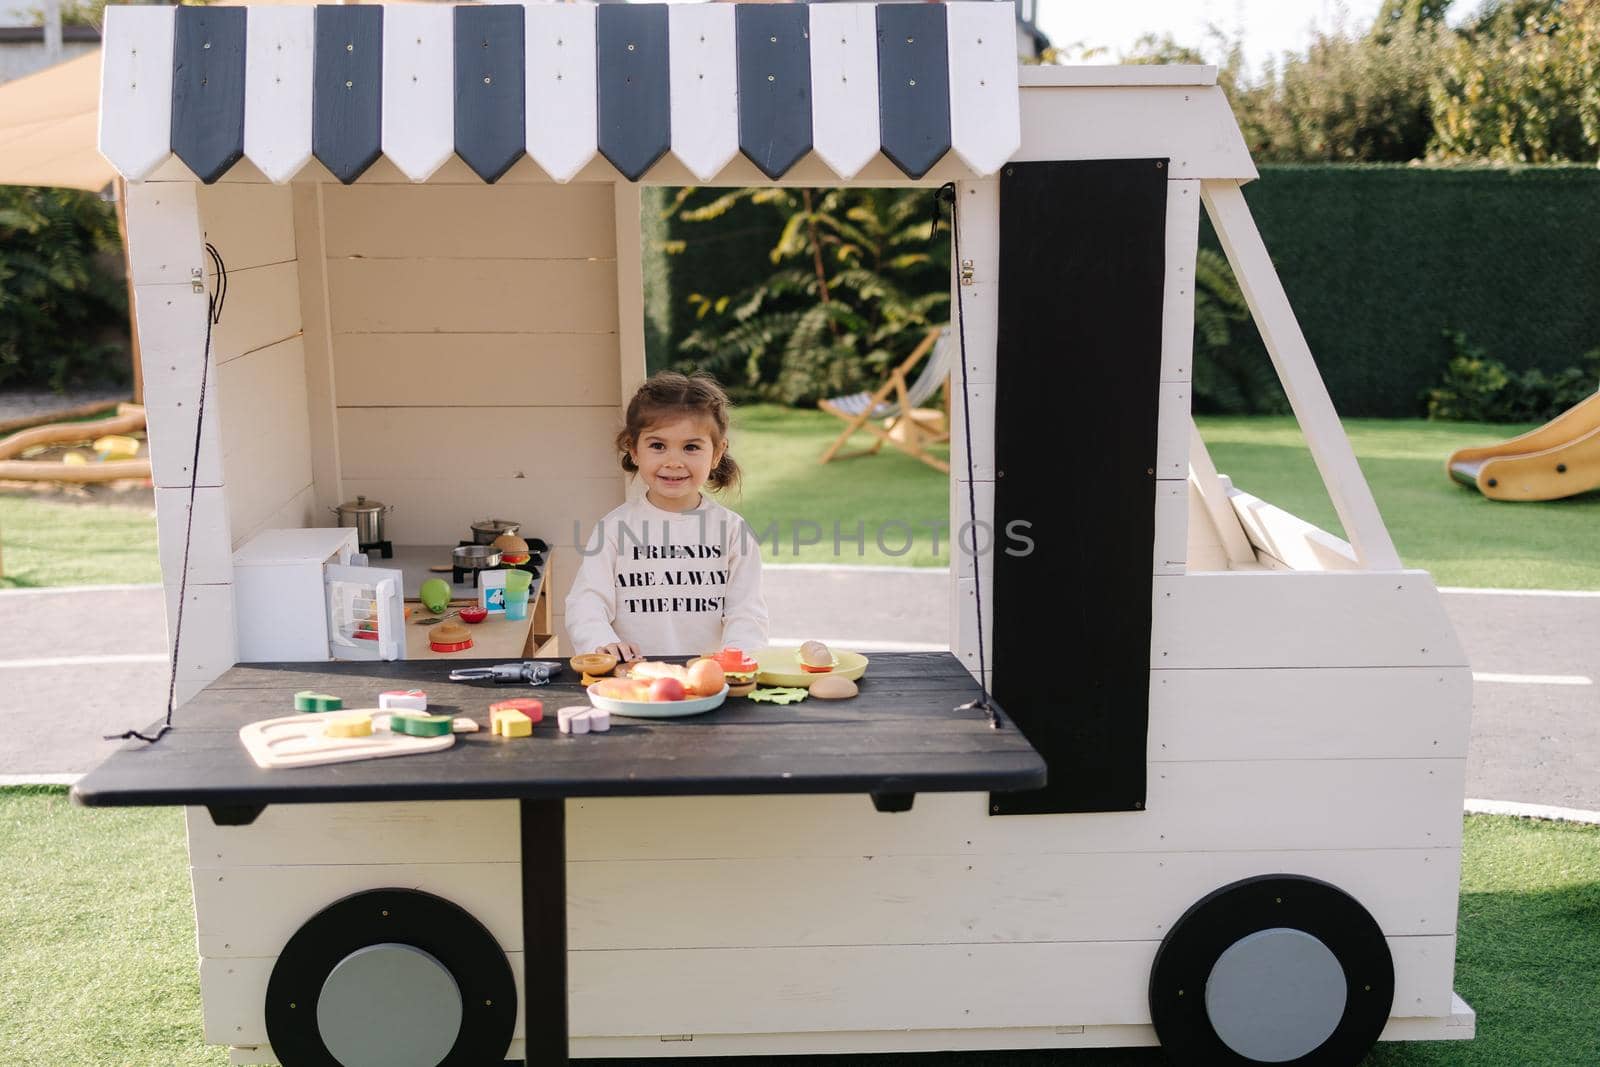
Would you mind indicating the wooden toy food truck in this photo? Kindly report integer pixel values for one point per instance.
(427, 220)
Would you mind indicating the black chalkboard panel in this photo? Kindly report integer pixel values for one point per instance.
(347, 89)
(490, 63)
(1082, 259)
(208, 89)
(774, 51)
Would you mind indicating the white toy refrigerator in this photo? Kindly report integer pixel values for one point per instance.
(305, 595)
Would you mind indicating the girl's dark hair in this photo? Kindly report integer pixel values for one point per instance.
(668, 395)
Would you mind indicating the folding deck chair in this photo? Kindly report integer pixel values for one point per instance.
(859, 410)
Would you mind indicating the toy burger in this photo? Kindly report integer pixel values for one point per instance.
(815, 658)
(738, 669)
(513, 549)
(449, 636)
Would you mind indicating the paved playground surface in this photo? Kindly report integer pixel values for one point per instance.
(93, 662)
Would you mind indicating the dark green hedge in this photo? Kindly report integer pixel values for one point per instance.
(1378, 261)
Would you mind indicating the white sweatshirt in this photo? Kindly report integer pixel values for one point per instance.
(672, 583)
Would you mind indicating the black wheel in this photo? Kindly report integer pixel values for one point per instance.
(391, 977)
(1273, 969)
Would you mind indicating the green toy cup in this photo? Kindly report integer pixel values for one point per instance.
(516, 579)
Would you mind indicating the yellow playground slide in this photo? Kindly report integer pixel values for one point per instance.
(1560, 458)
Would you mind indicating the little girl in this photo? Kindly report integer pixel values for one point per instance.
(673, 573)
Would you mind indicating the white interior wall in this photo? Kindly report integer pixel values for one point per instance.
(476, 356)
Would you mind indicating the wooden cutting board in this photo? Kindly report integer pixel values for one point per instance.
(298, 741)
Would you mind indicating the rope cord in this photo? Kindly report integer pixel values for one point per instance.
(947, 194)
(213, 315)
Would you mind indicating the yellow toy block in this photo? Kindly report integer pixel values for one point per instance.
(509, 722)
(348, 724)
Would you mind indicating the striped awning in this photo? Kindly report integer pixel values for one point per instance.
(561, 83)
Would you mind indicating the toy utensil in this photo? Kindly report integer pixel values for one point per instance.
(534, 672)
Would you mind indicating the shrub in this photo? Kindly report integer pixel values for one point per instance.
(1477, 388)
(63, 302)
(1230, 375)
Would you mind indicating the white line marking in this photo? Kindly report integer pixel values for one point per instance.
(1520, 592)
(38, 779)
(59, 589)
(1532, 679)
(85, 661)
(1531, 811)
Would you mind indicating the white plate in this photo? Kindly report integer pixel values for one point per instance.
(658, 709)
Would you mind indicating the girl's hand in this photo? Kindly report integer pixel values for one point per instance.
(623, 650)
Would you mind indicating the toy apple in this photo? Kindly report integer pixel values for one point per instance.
(667, 689)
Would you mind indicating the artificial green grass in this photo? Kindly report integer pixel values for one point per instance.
(97, 957)
(900, 505)
(1450, 530)
(51, 543)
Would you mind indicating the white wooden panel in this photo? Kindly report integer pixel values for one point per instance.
(277, 90)
(1308, 395)
(318, 341)
(136, 89)
(233, 994)
(251, 225)
(299, 510)
(437, 511)
(913, 900)
(705, 86)
(709, 991)
(1309, 713)
(163, 228)
(981, 412)
(491, 296)
(1291, 540)
(404, 443)
(253, 911)
(1192, 74)
(1172, 431)
(266, 442)
(539, 370)
(978, 208)
(1198, 806)
(210, 543)
(441, 831)
(964, 622)
(1204, 551)
(561, 103)
(473, 221)
(1301, 619)
(262, 308)
(844, 86)
(172, 336)
(419, 121)
(208, 646)
(985, 113)
(1192, 126)
(1172, 526)
(1177, 310)
(1457, 1026)
(989, 540)
(628, 285)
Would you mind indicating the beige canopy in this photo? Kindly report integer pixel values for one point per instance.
(47, 127)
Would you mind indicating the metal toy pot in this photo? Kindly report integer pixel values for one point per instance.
(366, 516)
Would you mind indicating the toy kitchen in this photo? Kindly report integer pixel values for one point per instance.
(347, 593)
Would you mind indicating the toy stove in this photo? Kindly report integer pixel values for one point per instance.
(468, 576)
(386, 547)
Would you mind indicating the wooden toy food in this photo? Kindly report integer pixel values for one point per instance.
(582, 720)
(594, 664)
(815, 657)
(449, 636)
(532, 707)
(420, 724)
(706, 676)
(403, 700)
(509, 722)
(306, 700)
(735, 661)
(473, 613)
(833, 687)
(435, 594)
(348, 724)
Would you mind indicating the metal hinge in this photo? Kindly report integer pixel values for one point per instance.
(677, 1037)
(966, 272)
(197, 279)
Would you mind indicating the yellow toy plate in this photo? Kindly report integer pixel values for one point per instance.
(780, 666)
